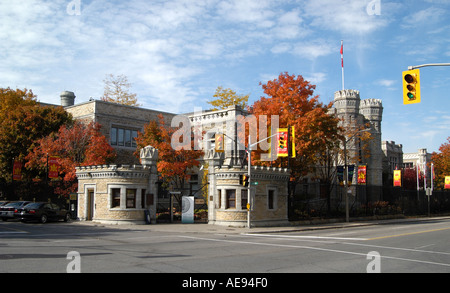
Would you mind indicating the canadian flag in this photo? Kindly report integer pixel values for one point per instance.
(342, 54)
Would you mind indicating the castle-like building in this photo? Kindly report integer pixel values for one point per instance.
(227, 199)
(362, 115)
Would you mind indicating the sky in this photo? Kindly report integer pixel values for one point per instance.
(176, 53)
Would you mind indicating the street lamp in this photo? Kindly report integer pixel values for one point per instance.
(347, 212)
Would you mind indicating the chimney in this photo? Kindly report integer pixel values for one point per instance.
(67, 98)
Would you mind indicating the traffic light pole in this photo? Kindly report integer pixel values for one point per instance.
(426, 65)
(249, 193)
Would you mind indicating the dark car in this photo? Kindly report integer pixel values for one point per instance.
(42, 212)
(7, 211)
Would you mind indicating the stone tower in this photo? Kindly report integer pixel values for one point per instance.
(356, 114)
(372, 111)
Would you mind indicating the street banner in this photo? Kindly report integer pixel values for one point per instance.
(447, 182)
(398, 178)
(282, 142)
(351, 171)
(17, 171)
(53, 167)
(362, 173)
(340, 175)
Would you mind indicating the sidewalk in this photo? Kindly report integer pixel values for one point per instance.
(215, 229)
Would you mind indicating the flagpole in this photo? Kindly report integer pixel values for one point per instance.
(342, 62)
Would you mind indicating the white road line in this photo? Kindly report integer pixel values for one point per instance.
(304, 237)
(294, 237)
(315, 248)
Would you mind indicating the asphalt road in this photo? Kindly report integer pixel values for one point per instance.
(412, 247)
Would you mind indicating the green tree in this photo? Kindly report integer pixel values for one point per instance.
(117, 90)
(226, 98)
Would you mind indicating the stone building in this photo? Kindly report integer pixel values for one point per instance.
(421, 159)
(227, 198)
(363, 114)
(119, 194)
(392, 160)
(120, 123)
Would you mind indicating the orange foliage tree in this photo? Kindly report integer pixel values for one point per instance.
(441, 161)
(74, 145)
(316, 132)
(174, 166)
(22, 122)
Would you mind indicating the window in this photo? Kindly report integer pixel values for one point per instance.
(219, 199)
(143, 198)
(123, 137)
(120, 139)
(244, 198)
(131, 198)
(271, 199)
(115, 197)
(113, 136)
(231, 198)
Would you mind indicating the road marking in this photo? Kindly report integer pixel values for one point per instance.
(315, 248)
(14, 231)
(305, 237)
(406, 234)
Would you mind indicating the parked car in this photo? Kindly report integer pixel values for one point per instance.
(42, 212)
(7, 211)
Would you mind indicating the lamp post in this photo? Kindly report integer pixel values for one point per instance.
(347, 212)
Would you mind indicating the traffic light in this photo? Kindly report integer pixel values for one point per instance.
(282, 141)
(219, 143)
(411, 86)
(286, 142)
(243, 180)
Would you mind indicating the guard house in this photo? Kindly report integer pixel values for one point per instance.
(228, 205)
(119, 194)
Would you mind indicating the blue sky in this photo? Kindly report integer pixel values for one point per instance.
(177, 52)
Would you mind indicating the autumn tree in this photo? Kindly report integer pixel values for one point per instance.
(117, 90)
(291, 99)
(174, 165)
(226, 98)
(441, 161)
(75, 145)
(22, 122)
(317, 134)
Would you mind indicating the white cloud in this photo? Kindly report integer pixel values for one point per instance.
(316, 78)
(256, 12)
(345, 16)
(313, 49)
(424, 17)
